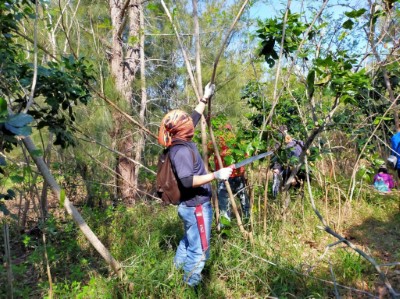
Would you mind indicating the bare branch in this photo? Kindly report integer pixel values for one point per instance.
(226, 40)
(187, 61)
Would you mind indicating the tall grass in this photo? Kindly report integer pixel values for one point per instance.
(288, 260)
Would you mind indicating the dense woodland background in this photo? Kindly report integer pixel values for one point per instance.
(83, 87)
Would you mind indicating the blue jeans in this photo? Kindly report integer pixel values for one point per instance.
(238, 188)
(189, 255)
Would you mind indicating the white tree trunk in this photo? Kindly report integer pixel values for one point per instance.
(143, 103)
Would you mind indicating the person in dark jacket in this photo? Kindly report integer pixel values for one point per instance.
(195, 207)
(282, 173)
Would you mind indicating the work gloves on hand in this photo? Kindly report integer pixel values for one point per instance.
(209, 91)
(223, 173)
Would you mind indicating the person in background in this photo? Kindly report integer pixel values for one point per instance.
(282, 173)
(395, 142)
(195, 208)
(237, 180)
(383, 181)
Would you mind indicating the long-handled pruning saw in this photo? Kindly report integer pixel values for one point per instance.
(250, 160)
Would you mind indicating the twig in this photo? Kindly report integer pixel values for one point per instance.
(334, 281)
(187, 62)
(92, 140)
(226, 39)
(102, 96)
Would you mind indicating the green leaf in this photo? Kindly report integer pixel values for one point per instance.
(152, 6)
(324, 80)
(229, 160)
(17, 178)
(3, 107)
(37, 153)
(310, 83)
(4, 209)
(379, 118)
(225, 221)
(106, 24)
(10, 194)
(378, 162)
(133, 40)
(62, 197)
(355, 13)
(348, 24)
(342, 35)
(249, 149)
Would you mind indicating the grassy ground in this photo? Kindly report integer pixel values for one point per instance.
(291, 257)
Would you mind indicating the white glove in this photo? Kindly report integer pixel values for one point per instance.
(223, 173)
(209, 91)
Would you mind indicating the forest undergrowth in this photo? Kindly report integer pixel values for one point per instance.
(291, 255)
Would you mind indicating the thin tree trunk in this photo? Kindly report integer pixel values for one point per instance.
(7, 254)
(199, 86)
(143, 104)
(251, 191)
(27, 204)
(43, 198)
(265, 203)
(48, 271)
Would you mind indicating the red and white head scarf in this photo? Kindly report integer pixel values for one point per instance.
(176, 125)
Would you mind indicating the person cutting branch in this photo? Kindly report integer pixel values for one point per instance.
(176, 131)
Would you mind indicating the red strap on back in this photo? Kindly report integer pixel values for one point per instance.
(201, 226)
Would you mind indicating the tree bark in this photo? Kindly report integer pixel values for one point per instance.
(124, 63)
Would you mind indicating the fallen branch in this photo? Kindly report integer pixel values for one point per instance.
(76, 216)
